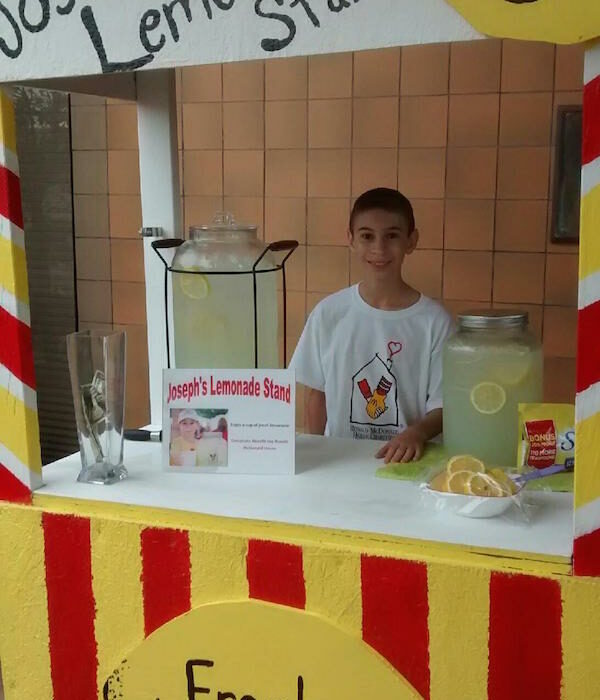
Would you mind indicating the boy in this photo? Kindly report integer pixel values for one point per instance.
(371, 355)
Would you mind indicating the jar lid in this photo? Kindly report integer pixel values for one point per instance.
(223, 222)
(493, 318)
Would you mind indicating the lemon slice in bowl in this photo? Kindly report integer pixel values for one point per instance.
(465, 463)
(488, 397)
(483, 485)
(194, 286)
(457, 481)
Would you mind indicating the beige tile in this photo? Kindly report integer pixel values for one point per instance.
(327, 268)
(285, 219)
(90, 215)
(90, 172)
(243, 173)
(244, 125)
(127, 260)
(94, 301)
(202, 83)
(521, 225)
(569, 67)
(312, 299)
(373, 167)
(559, 379)
(286, 124)
(527, 66)
(468, 275)
(423, 121)
(377, 73)
(560, 331)
(202, 125)
(523, 173)
(375, 122)
(129, 302)
(92, 257)
(137, 402)
(88, 128)
(200, 210)
(473, 120)
(247, 210)
(475, 66)
(329, 123)
(424, 69)
(202, 173)
(458, 306)
(286, 78)
(519, 277)
(295, 274)
(285, 174)
(125, 215)
(525, 119)
(123, 172)
(471, 173)
(422, 172)
(429, 219)
(244, 80)
(330, 75)
(329, 172)
(561, 279)
(423, 271)
(327, 221)
(122, 126)
(469, 224)
(80, 100)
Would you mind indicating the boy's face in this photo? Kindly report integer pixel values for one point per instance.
(187, 428)
(381, 240)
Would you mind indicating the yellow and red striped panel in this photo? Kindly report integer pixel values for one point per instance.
(586, 550)
(20, 460)
(452, 631)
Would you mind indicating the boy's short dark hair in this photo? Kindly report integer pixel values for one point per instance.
(387, 199)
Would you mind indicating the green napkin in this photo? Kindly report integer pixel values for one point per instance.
(434, 458)
(554, 482)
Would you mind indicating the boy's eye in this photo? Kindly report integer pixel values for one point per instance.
(366, 236)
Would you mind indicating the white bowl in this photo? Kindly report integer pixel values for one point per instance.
(471, 506)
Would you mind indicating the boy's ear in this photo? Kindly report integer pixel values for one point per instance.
(413, 239)
(350, 238)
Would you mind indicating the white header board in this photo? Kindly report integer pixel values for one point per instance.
(60, 38)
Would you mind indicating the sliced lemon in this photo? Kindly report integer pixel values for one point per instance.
(483, 485)
(464, 463)
(488, 397)
(513, 369)
(504, 481)
(194, 286)
(457, 481)
(439, 482)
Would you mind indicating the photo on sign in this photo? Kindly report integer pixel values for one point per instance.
(199, 437)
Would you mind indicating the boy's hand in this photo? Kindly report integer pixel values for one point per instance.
(405, 447)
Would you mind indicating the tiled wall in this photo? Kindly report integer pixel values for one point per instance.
(465, 130)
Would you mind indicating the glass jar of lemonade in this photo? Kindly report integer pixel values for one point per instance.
(492, 364)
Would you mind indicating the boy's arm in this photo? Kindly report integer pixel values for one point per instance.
(409, 444)
(316, 412)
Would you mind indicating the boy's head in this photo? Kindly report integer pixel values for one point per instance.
(188, 423)
(382, 231)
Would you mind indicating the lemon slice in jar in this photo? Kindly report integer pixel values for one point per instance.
(488, 397)
(194, 286)
(514, 369)
(464, 463)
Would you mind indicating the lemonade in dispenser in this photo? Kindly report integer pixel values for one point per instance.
(490, 366)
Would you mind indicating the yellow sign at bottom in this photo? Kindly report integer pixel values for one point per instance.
(254, 651)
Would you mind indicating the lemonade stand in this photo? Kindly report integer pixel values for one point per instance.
(329, 583)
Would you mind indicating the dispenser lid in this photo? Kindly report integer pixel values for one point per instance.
(222, 223)
(493, 318)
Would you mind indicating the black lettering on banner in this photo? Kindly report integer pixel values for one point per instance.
(207, 8)
(168, 10)
(148, 23)
(300, 688)
(308, 9)
(192, 688)
(276, 44)
(224, 4)
(89, 22)
(247, 697)
(338, 5)
(226, 696)
(42, 24)
(66, 9)
(4, 47)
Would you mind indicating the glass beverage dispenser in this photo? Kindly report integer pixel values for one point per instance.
(224, 288)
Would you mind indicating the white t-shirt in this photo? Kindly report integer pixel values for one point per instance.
(381, 371)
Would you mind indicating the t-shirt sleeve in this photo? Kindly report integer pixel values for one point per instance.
(443, 327)
(306, 360)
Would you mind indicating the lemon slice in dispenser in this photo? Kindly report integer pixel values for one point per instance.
(488, 397)
(194, 286)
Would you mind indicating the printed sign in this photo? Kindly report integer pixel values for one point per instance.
(230, 421)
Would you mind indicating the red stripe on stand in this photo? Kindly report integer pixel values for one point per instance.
(71, 606)
(588, 345)
(525, 650)
(395, 615)
(12, 489)
(166, 576)
(586, 554)
(16, 349)
(10, 197)
(275, 573)
(591, 122)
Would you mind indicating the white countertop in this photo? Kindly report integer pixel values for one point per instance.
(334, 487)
